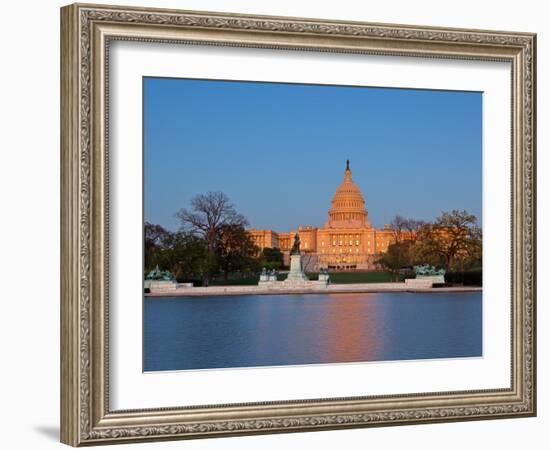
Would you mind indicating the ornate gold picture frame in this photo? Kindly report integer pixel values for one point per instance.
(87, 31)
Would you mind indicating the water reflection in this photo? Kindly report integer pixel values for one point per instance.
(352, 328)
(270, 330)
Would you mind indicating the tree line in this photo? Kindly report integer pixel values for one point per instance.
(212, 240)
(453, 242)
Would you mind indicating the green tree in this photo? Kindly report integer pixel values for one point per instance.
(188, 257)
(396, 257)
(272, 258)
(235, 249)
(154, 245)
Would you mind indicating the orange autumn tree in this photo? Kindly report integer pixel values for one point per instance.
(453, 241)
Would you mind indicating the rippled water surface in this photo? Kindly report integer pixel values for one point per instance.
(270, 330)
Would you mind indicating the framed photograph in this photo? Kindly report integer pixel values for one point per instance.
(275, 224)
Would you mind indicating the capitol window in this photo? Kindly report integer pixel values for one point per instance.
(357, 242)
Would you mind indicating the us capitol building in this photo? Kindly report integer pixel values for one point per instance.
(346, 242)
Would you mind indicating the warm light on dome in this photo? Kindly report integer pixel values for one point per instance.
(346, 242)
(348, 205)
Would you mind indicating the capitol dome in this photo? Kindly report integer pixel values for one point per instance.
(348, 205)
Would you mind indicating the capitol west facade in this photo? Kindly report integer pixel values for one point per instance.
(346, 242)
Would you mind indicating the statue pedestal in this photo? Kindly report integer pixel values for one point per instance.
(435, 279)
(296, 280)
(417, 283)
(425, 281)
(296, 274)
(162, 286)
(324, 277)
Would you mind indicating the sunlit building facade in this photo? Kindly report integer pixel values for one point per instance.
(346, 242)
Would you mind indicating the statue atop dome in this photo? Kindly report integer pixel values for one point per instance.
(347, 173)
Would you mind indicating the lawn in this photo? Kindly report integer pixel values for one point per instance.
(335, 278)
(357, 277)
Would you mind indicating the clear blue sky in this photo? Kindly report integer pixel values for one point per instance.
(279, 150)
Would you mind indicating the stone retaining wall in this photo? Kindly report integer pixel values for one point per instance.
(281, 288)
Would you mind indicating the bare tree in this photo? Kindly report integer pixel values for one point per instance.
(413, 227)
(397, 226)
(405, 229)
(208, 214)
